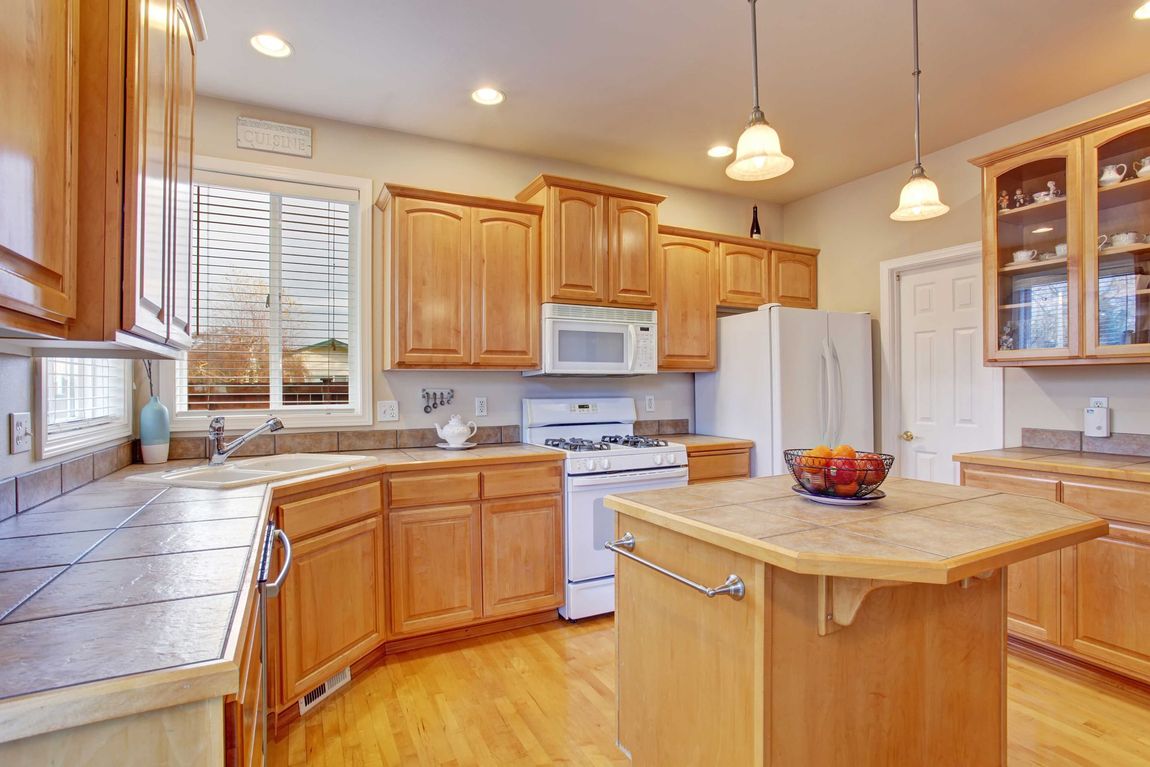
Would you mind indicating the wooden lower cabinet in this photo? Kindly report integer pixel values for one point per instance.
(332, 604)
(1033, 587)
(243, 739)
(1090, 601)
(718, 465)
(435, 568)
(522, 555)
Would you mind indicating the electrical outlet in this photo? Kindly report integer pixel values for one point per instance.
(20, 432)
(649, 403)
(387, 410)
(1099, 402)
(481, 406)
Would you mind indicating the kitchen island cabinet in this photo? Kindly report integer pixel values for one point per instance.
(833, 636)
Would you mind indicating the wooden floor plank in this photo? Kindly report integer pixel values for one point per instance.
(545, 695)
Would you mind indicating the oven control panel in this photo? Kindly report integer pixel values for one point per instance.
(646, 349)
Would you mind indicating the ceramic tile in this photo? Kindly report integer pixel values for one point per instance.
(1019, 453)
(264, 444)
(376, 439)
(87, 499)
(674, 426)
(46, 550)
(196, 511)
(36, 487)
(7, 498)
(1099, 460)
(817, 513)
(1060, 439)
(745, 490)
(937, 536)
(843, 543)
(647, 428)
(744, 520)
(24, 525)
(109, 460)
(674, 500)
(1023, 503)
(1015, 521)
(187, 447)
(953, 492)
(18, 585)
(174, 538)
(487, 435)
(55, 652)
(176, 494)
(1137, 445)
(510, 434)
(416, 438)
(123, 582)
(75, 473)
(311, 442)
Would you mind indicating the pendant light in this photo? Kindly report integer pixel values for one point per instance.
(918, 200)
(758, 155)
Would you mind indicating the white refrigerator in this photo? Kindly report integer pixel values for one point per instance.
(789, 378)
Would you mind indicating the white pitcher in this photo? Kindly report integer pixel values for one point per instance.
(1111, 174)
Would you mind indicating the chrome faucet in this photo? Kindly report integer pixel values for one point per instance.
(221, 450)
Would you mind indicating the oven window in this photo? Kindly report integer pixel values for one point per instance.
(591, 346)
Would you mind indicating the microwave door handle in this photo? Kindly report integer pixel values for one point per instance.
(633, 332)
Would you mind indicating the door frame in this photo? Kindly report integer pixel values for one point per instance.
(890, 329)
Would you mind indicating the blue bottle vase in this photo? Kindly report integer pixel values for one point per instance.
(155, 431)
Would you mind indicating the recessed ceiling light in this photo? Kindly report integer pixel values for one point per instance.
(487, 96)
(1043, 230)
(271, 45)
(1143, 12)
(720, 150)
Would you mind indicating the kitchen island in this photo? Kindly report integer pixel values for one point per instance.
(872, 635)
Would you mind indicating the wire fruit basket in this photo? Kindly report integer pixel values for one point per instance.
(839, 477)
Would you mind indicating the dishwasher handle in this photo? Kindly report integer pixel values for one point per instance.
(273, 587)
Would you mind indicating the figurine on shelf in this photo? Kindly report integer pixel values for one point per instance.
(1004, 200)
(1019, 199)
(1006, 340)
(1055, 192)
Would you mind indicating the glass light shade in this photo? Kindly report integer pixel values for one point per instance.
(918, 200)
(759, 155)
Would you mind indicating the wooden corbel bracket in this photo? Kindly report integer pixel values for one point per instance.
(841, 598)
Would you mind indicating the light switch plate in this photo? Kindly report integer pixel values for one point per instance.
(387, 410)
(1099, 402)
(649, 403)
(20, 432)
(480, 406)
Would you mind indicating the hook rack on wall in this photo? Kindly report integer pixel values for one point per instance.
(436, 398)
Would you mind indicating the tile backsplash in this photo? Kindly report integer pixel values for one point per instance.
(33, 488)
(1117, 443)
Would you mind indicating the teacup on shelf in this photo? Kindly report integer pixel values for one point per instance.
(1042, 196)
(1047, 255)
(1142, 167)
(1124, 238)
(1061, 249)
(1021, 256)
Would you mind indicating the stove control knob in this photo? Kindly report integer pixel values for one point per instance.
(673, 459)
(604, 464)
(658, 459)
(578, 465)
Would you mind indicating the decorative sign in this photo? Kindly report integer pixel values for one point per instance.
(267, 136)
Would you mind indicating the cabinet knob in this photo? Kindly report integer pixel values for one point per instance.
(906, 436)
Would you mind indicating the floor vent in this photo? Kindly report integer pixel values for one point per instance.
(313, 698)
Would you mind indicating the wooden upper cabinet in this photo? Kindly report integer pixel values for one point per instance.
(432, 283)
(632, 251)
(183, 101)
(505, 288)
(38, 136)
(462, 279)
(1057, 289)
(687, 337)
(600, 243)
(794, 279)
(743, 271)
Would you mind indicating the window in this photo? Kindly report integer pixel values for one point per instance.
(278, 291)
(83, 402)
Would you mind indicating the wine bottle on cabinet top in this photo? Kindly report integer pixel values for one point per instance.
(755, 231)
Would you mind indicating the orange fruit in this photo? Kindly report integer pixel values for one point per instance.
(844, 451)
(846, 491)
(817, 457)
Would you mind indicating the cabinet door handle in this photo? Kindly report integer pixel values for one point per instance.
(733, 587)
(273, 588)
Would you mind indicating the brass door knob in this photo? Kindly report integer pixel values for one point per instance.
(906, 436)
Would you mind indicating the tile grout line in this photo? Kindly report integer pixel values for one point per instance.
(78, 557)
(116, 607)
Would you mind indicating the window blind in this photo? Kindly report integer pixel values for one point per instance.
(273, 299)
(83, 394)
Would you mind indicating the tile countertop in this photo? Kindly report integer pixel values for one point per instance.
(126, 592)
(922, 532)
(697, 442)
(1132, 468)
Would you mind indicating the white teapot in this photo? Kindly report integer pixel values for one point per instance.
(456, 432)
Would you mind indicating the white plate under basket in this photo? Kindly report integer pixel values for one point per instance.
(831, 500)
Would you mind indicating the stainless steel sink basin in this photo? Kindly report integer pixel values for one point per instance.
(252, 471)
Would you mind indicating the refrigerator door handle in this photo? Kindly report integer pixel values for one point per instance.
(825, 394)
(836, 387)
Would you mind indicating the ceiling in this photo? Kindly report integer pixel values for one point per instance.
(646, 86)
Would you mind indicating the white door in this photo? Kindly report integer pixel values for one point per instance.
(950, 402)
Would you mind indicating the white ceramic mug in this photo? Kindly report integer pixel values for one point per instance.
(1124, 238)
(1142, 167)
(1024, 255)
(1111, 174)
(1061, 250)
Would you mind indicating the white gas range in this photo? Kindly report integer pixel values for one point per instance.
(603, 457)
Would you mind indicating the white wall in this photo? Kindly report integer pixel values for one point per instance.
(851, 224)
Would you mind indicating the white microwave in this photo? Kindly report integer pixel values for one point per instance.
(598, 341)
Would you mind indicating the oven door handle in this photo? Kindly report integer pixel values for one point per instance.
(627, 477)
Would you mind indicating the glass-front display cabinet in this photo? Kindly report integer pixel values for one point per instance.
(1066, 245)
(1031, 255)
(1116, 277)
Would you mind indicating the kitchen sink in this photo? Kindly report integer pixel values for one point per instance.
(251, 471)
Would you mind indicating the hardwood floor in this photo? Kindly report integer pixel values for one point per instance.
(546, 695)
